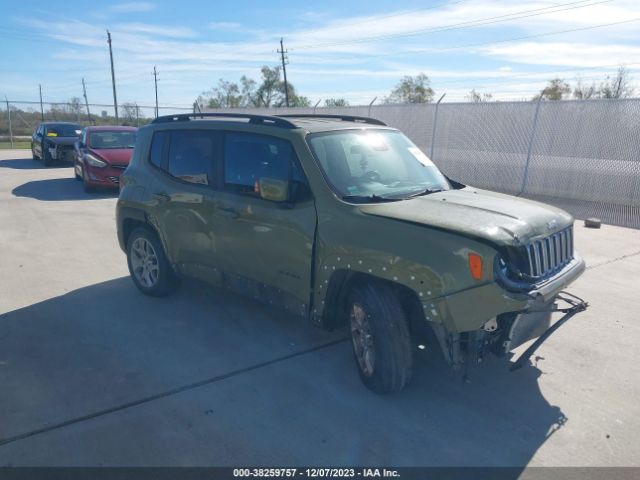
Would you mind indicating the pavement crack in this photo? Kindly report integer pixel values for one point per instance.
(167, 393)
(613, 260)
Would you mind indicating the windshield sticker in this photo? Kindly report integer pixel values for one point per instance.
(420, 156)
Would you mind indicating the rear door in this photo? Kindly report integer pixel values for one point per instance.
(265, 247)
(183, 192)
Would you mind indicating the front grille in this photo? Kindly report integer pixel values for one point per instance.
(550, 254)
(65, 154)
(120, 167)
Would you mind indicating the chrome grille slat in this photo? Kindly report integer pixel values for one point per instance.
(547, 255)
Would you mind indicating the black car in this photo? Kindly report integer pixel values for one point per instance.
(54, 141)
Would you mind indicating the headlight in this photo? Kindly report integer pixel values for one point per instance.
(94, 161)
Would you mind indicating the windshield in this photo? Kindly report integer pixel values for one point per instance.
(63, 130)
(114, 139)
(375, 165)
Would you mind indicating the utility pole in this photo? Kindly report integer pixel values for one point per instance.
(86, 102)
(137, 116)
(282, 52)
(113, 76)
(155, 79)
(41, 107)
(9, 116)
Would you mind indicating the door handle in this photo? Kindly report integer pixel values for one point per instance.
(229, 212)
(162, 196)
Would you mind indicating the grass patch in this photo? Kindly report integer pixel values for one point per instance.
(20, 145)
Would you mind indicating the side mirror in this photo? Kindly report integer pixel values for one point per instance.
(273, 189)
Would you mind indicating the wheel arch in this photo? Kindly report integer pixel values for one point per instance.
(342, 280)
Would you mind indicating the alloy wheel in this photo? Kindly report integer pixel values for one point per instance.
(144, 262)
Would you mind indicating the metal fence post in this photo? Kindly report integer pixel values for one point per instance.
(9, 118)
(371, 105)
(530, 148)
(435, 123)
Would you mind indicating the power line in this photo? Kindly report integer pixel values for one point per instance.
(350, 24)
(491, 42)
(462, 25)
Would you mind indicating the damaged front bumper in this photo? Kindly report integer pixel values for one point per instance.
(574, 306)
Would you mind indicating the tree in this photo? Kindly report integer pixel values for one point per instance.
(584, 92)
(477, 97)
(270, 92)
(618, 86)
(555, 90)
(128, 112)
(224, 95)
(75, 107)
(412, 90)
(336, 102)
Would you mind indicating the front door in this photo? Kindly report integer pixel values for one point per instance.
(266, 247)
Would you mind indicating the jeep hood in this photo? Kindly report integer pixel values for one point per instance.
(494, 217)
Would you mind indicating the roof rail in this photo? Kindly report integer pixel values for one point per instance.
(253, 119)
(344, 118)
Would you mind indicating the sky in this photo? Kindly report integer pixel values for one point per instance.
(356, 50)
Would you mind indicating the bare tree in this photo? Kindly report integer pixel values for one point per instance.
(618, 86)
(582, 91)
(477, 97)
(128, 112)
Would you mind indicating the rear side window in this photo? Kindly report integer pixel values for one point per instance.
(249, 157)
(157, 147)
(192, 154)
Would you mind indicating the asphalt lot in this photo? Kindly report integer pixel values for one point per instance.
(93, 373)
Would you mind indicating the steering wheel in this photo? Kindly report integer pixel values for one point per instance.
(372, 176)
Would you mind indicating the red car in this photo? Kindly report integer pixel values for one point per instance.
(102, 154)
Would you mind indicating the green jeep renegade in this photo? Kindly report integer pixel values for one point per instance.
(344, 221)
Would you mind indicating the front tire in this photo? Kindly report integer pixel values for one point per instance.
(46, 157)
(148, 264)
(380, 337)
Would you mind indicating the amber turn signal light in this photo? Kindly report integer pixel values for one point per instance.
(475, 266)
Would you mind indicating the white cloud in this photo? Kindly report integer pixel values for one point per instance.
(564, 53)
(132, 7)
(159, 30)
(229, 26)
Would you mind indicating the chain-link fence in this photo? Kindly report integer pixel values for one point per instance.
(18, 120)
(583, 156)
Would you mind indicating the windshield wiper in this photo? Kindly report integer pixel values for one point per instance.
(373, 198)
(426, 191)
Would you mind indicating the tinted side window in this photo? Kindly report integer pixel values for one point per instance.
(157, 146)
(248, 158)
(191, 155)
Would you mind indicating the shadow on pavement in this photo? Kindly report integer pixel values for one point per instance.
(30, 164)
(205, 377)
(60, 189)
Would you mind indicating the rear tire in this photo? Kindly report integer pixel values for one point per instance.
(380, 337)
(148, 264)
